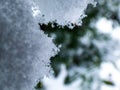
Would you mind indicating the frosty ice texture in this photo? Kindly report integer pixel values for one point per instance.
(64, 12)
(24, 49)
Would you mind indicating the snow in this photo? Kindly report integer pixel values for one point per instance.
(25, 50)
(64, 12)
(111, 46)
(106, 26)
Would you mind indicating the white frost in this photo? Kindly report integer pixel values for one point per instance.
(24, 49)
(64, 12)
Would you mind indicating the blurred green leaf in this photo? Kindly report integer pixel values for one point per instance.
(108, 82)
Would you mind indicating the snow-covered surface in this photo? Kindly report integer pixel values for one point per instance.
(25, 50)
(64, 12)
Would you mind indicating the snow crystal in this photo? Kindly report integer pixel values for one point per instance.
(64, 12)
(24, 49)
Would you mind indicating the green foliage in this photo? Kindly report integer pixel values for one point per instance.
(39, 85)
(108, 82)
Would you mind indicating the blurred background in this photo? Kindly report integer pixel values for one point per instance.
(89, 57)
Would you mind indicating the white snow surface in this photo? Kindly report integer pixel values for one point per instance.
(64, 12)
(24, 49)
